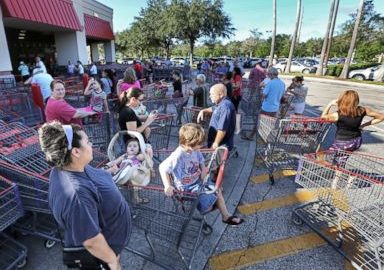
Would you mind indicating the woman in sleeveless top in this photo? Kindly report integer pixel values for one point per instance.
(348, 119)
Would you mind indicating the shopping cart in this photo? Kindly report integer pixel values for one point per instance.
(161, 131)
(16, 134)
(348, 199)
(21, 104)
(168, 105)
(170, 227)
(98, 129)
(13, 254)
(280, 142)
(10, 117)
(190, 116)
(285, 104)
(249, 107)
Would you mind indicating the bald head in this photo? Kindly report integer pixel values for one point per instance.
(218, 92)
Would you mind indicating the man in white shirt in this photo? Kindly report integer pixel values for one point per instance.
(40, 64)
(43, 80)
(93, 71)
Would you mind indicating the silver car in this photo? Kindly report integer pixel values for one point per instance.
(295, 67)
(371, 73)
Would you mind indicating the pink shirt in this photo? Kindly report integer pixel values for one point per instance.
(60, 110)
(125, 86)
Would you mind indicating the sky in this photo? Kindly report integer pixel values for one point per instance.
(250, 14)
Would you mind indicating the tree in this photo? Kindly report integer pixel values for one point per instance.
(194, 19)
(333, 23)
(344, 72)
(319, 71)
(272, 53)
(294, 36)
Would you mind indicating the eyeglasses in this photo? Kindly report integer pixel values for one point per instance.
(140, 99)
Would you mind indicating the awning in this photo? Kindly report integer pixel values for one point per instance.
(53, 12)
(97, 28)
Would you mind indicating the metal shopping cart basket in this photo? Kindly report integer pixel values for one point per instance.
(348, 200)
(13, 254)
(190, 116)
(170, 227)
(250, 107)
(280, 142)
(285, 104)
(161, 131)
(98, 129)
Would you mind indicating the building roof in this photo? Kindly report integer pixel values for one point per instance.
(53, 12)
(97, 28)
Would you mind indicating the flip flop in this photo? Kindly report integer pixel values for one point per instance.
(230, 221)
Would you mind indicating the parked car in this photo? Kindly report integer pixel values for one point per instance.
(251, 63)
(176, 61)
(370, 73)
(295, 67)
(127, 61)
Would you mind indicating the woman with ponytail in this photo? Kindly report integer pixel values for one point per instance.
(128, 119)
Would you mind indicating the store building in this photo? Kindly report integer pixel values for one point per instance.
(56, 30)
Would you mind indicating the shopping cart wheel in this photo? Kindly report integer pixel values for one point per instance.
(206, 229)
(296, 219)
(49, 243)
(22, 263)
(271, 179)
(339, 242)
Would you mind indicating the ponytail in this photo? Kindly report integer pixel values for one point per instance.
(127, 95)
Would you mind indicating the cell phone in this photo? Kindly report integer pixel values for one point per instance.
(154, 112)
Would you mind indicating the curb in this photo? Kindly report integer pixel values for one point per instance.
(340, 82)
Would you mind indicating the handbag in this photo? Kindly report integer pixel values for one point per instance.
(79, 257)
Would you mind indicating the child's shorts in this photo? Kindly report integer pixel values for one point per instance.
(206, 201)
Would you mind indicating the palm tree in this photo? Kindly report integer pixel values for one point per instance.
(344, 73)
(271, 55)
(288, 66)
(324, 48)
(335, 11)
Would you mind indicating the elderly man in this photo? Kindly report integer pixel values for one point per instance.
(40, 64)
(272, 93)
(223, 120)
(42, 79)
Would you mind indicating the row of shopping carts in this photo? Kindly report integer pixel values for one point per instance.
(23, 165)
(348, 188)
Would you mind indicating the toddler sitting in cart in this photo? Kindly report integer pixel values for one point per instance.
(135, 165)
(184, 170)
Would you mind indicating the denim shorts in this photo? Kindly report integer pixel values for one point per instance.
(206, 201)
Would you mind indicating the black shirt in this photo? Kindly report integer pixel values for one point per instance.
(177, 86)
(126, 114)
(229, 88)
(348, 128)
(199, 97)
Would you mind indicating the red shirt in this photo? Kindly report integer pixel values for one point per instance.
(237, 91)
(60, 110)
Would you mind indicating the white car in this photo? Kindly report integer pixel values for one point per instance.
(370, 73)
(295, 67)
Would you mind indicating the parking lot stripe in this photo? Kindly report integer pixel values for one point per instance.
(246, 257)
(300, 196)
(258, 179)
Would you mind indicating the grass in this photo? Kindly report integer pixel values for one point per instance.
(334, 78)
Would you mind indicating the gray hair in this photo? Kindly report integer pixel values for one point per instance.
(201, 77)
(54, 143)
(273, 72)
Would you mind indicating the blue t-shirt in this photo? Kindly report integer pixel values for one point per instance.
(223, 118)
(79, 199)
(273, 91)
(184, 167)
